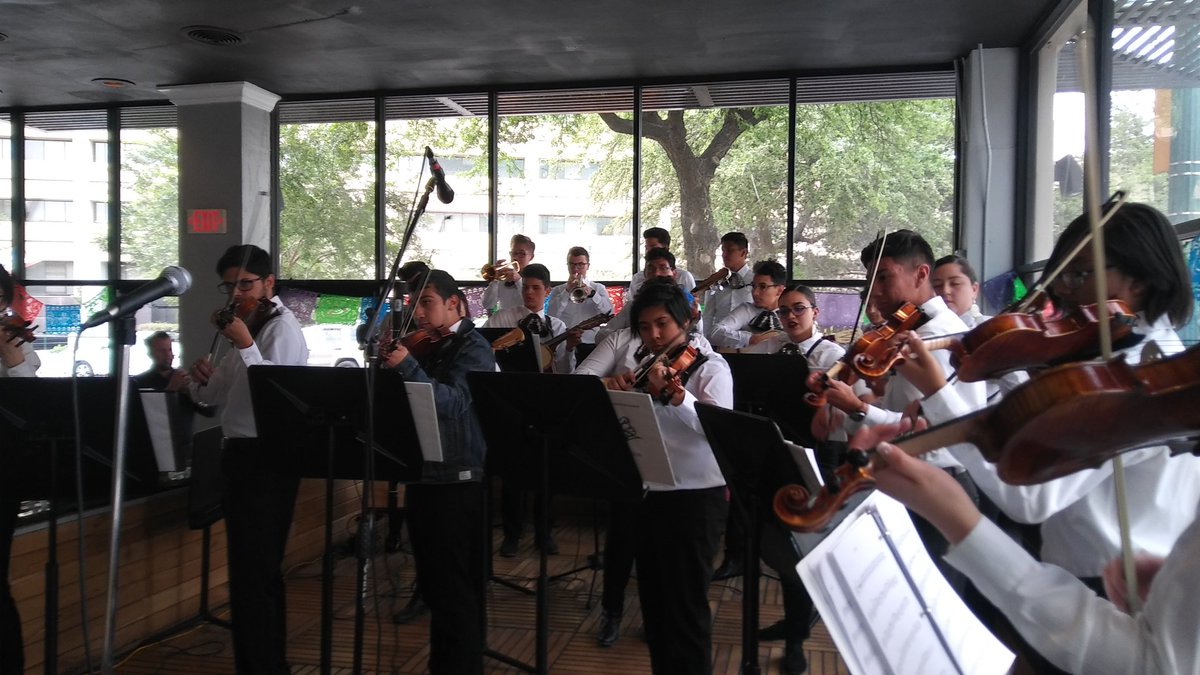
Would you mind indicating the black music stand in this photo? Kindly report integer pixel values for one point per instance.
(37, 421)
(773, 385)
(313, 421)
(756, 463)
(521, 358)
(560, 429)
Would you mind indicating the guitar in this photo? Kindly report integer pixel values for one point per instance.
(549, 346)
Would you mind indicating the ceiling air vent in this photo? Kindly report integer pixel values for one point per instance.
(214, 36)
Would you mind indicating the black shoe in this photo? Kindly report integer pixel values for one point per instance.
(508, 548)
(776, 631)
(550, 545)
(610, 630)
(729, 569)
(794, 662)
(413, 610)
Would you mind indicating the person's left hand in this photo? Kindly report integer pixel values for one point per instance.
(660, 379)
(574, 337)
(179, 380)
(238, 333)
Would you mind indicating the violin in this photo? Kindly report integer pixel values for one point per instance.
(682, 362)
(1019, 341)
(1067, 419)
(17, 328)
(872, 356)
(254, 312)
(423, 341)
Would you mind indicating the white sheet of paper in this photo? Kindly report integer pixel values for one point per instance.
(806, 460)
(635, 412)
(158, 423)
(874, 615)
(424, 412)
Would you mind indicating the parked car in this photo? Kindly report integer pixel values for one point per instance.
(94, 356)
(332, 345)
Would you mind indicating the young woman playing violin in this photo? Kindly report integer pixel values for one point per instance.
(445, 510)
(679, 528)
(1145, 269)
(258, 502)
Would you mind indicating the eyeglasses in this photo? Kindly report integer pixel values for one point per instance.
(1073, 279)
(763, 287)
(798, 310)
(242, 285)
(573, 265)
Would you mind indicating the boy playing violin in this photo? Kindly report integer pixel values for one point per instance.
(445, 510)
(258, 502)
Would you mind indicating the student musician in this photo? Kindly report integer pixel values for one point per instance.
(660, 264)
(504, 291)
(445, 510)
(754, 327)
(720, 300)
(652, 239)
(258, 502)
(798, 313)
(1145, 268)
(580, 298)
(162, 375)
(17, 359)
(678, 529)
(531, 316)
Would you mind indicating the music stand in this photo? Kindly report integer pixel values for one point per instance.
(755, 462)
(521, 358)
(562, 428)
(313, 422)
(36, 418)
(773, 385)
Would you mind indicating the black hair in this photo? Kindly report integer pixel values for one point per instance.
(955, 259)
(770, 268)
(661, 254)
(247, 257)
(156, 335)
(6, 285)
(444, 285)
(903, 246)
(735, 238)
(658, 233)
(536, 271)
(1140, 242)
(412, 268)
(800, 288)
(660, 292)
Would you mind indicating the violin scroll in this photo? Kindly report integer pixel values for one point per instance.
(802, 511)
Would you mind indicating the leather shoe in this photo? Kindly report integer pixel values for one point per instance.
(728, 569)
(794, 661)
(550, 545)
(610, 630)
(776, 631)
(508, 548)
(413, 610)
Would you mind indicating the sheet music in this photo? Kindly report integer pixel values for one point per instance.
(424, 413)
(806, 460)
(158, 423)
(872, 611)
(635, 412)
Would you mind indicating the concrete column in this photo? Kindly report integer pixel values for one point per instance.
(224, 163)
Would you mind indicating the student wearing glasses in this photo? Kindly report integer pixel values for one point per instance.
(595, 296)
(504, 292)
(798, 313)
(753, 327)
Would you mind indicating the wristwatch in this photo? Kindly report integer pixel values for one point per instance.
(858, 415)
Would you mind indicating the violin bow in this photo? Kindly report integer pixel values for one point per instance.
(1092, 194)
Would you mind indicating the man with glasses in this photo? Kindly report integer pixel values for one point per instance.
(504, 292)
(723, 298)
(753, 327)
(258, 502)
(596, 300)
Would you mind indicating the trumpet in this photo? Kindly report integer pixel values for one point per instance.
(491, 272)
(580, 291)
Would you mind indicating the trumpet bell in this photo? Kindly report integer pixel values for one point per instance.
(491, 272)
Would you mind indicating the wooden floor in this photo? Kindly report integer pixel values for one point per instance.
(404, 649)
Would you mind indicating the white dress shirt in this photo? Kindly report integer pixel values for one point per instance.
(719, 302)
(692, 459)
(279, 343)
(572, 314)
(1078, 512)
(682, 277)
(498, 291)
(564, 361)
(733, 332)
(821, 353)
(27, 368)
(1076, 630)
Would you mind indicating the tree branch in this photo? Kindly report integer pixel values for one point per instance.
(737, 120)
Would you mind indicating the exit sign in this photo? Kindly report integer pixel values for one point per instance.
(206, 221)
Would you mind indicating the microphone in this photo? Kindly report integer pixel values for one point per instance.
(173, 281)
(444, 192)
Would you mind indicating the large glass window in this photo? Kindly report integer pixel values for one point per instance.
(149, 192)
(327, 190)
(6, 190)
(452, 237)
(581, 192)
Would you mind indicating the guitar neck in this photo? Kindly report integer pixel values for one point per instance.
(586, 324)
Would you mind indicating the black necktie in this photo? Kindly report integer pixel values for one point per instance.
(765, 321)
(735, 281)
(790, 348)
(534, 324)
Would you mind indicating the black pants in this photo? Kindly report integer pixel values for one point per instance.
(445, 523)
(619, 547)
(678, 533)
(12, 649)
(779, 552)
(513, 501)
(258, 507)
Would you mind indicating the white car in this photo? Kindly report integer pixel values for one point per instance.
(332, 345)
(94, 356)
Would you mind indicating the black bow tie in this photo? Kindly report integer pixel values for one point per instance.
(765, 321)
(735, 281)
(534, 324)
(510, 284)
(790, 348)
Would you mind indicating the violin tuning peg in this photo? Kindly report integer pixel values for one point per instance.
(858, 458)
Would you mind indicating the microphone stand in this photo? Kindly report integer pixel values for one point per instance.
(371, 359)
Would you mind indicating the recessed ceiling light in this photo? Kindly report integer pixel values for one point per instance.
(213, 36)
(112, 82)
